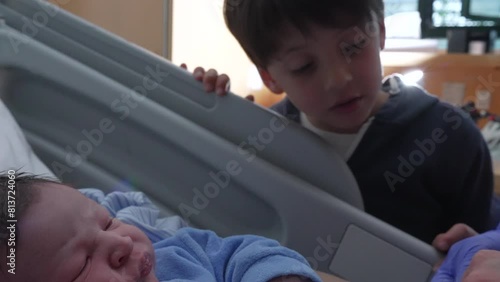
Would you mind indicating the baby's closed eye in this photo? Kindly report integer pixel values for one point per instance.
(111, 220)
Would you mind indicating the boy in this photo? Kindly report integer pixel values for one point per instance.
(63, 236)
(420, 164)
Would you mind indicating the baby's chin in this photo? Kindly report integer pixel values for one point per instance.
(151, 278)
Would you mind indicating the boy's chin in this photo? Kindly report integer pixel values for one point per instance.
(350, 125)
(348, 129)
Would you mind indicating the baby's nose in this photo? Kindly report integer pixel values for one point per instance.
(120, 250)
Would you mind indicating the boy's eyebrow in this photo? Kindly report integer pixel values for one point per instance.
(341, 33)
(280, 55)
(293, 49)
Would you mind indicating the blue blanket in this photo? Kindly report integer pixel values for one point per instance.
(198, 255)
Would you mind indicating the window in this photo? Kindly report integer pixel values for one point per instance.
(403, 32)
(402, 20)
(400, 6)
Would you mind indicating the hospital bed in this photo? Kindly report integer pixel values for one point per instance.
(101, 112)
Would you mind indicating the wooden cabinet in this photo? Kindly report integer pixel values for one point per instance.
(138, 21)
(474, 72)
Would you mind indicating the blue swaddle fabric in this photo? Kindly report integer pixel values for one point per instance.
(200, 255)
(136, 209)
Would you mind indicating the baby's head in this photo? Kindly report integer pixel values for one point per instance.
(62, 236)
(324, 54)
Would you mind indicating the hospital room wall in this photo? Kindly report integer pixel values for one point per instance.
(140, 22)
(201, 38)
(199, 34)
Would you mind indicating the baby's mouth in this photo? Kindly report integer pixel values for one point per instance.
(146, 265)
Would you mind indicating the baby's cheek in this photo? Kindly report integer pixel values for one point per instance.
(101, 272)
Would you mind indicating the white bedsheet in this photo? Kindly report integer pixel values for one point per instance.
(15, 152)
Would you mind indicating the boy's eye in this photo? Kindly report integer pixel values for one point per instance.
(360, 44)
(357, 46)
(302, 69)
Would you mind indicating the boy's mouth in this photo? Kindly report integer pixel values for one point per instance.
(347, 106)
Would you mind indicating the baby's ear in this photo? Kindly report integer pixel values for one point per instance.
(270, 82)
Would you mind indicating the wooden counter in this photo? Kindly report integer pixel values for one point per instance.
(496, 169)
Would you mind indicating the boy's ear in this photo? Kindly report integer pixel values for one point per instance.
(381, 24)
(269, 82)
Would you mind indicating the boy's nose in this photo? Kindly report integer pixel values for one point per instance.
(120, 250)
(337, 78)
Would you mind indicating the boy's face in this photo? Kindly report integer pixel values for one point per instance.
(332, 75)
(66, 237)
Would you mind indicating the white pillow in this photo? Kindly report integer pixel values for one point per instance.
(15, 152)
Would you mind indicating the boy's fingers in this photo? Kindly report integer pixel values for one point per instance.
(250, 97)
(210, 80)
(199, 73)
(441, 243)
(437, 265)
(222, 84)
(457, 233)
(184, 66)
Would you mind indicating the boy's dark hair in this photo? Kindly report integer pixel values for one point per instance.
(17, 187)
(258, 24)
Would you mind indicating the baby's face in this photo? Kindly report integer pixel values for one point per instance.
(66, 237)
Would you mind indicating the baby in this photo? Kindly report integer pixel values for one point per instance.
(63, 236)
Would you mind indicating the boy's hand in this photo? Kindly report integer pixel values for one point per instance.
(457, 232)
(470, 257)
(212, 81)
(444, 241)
